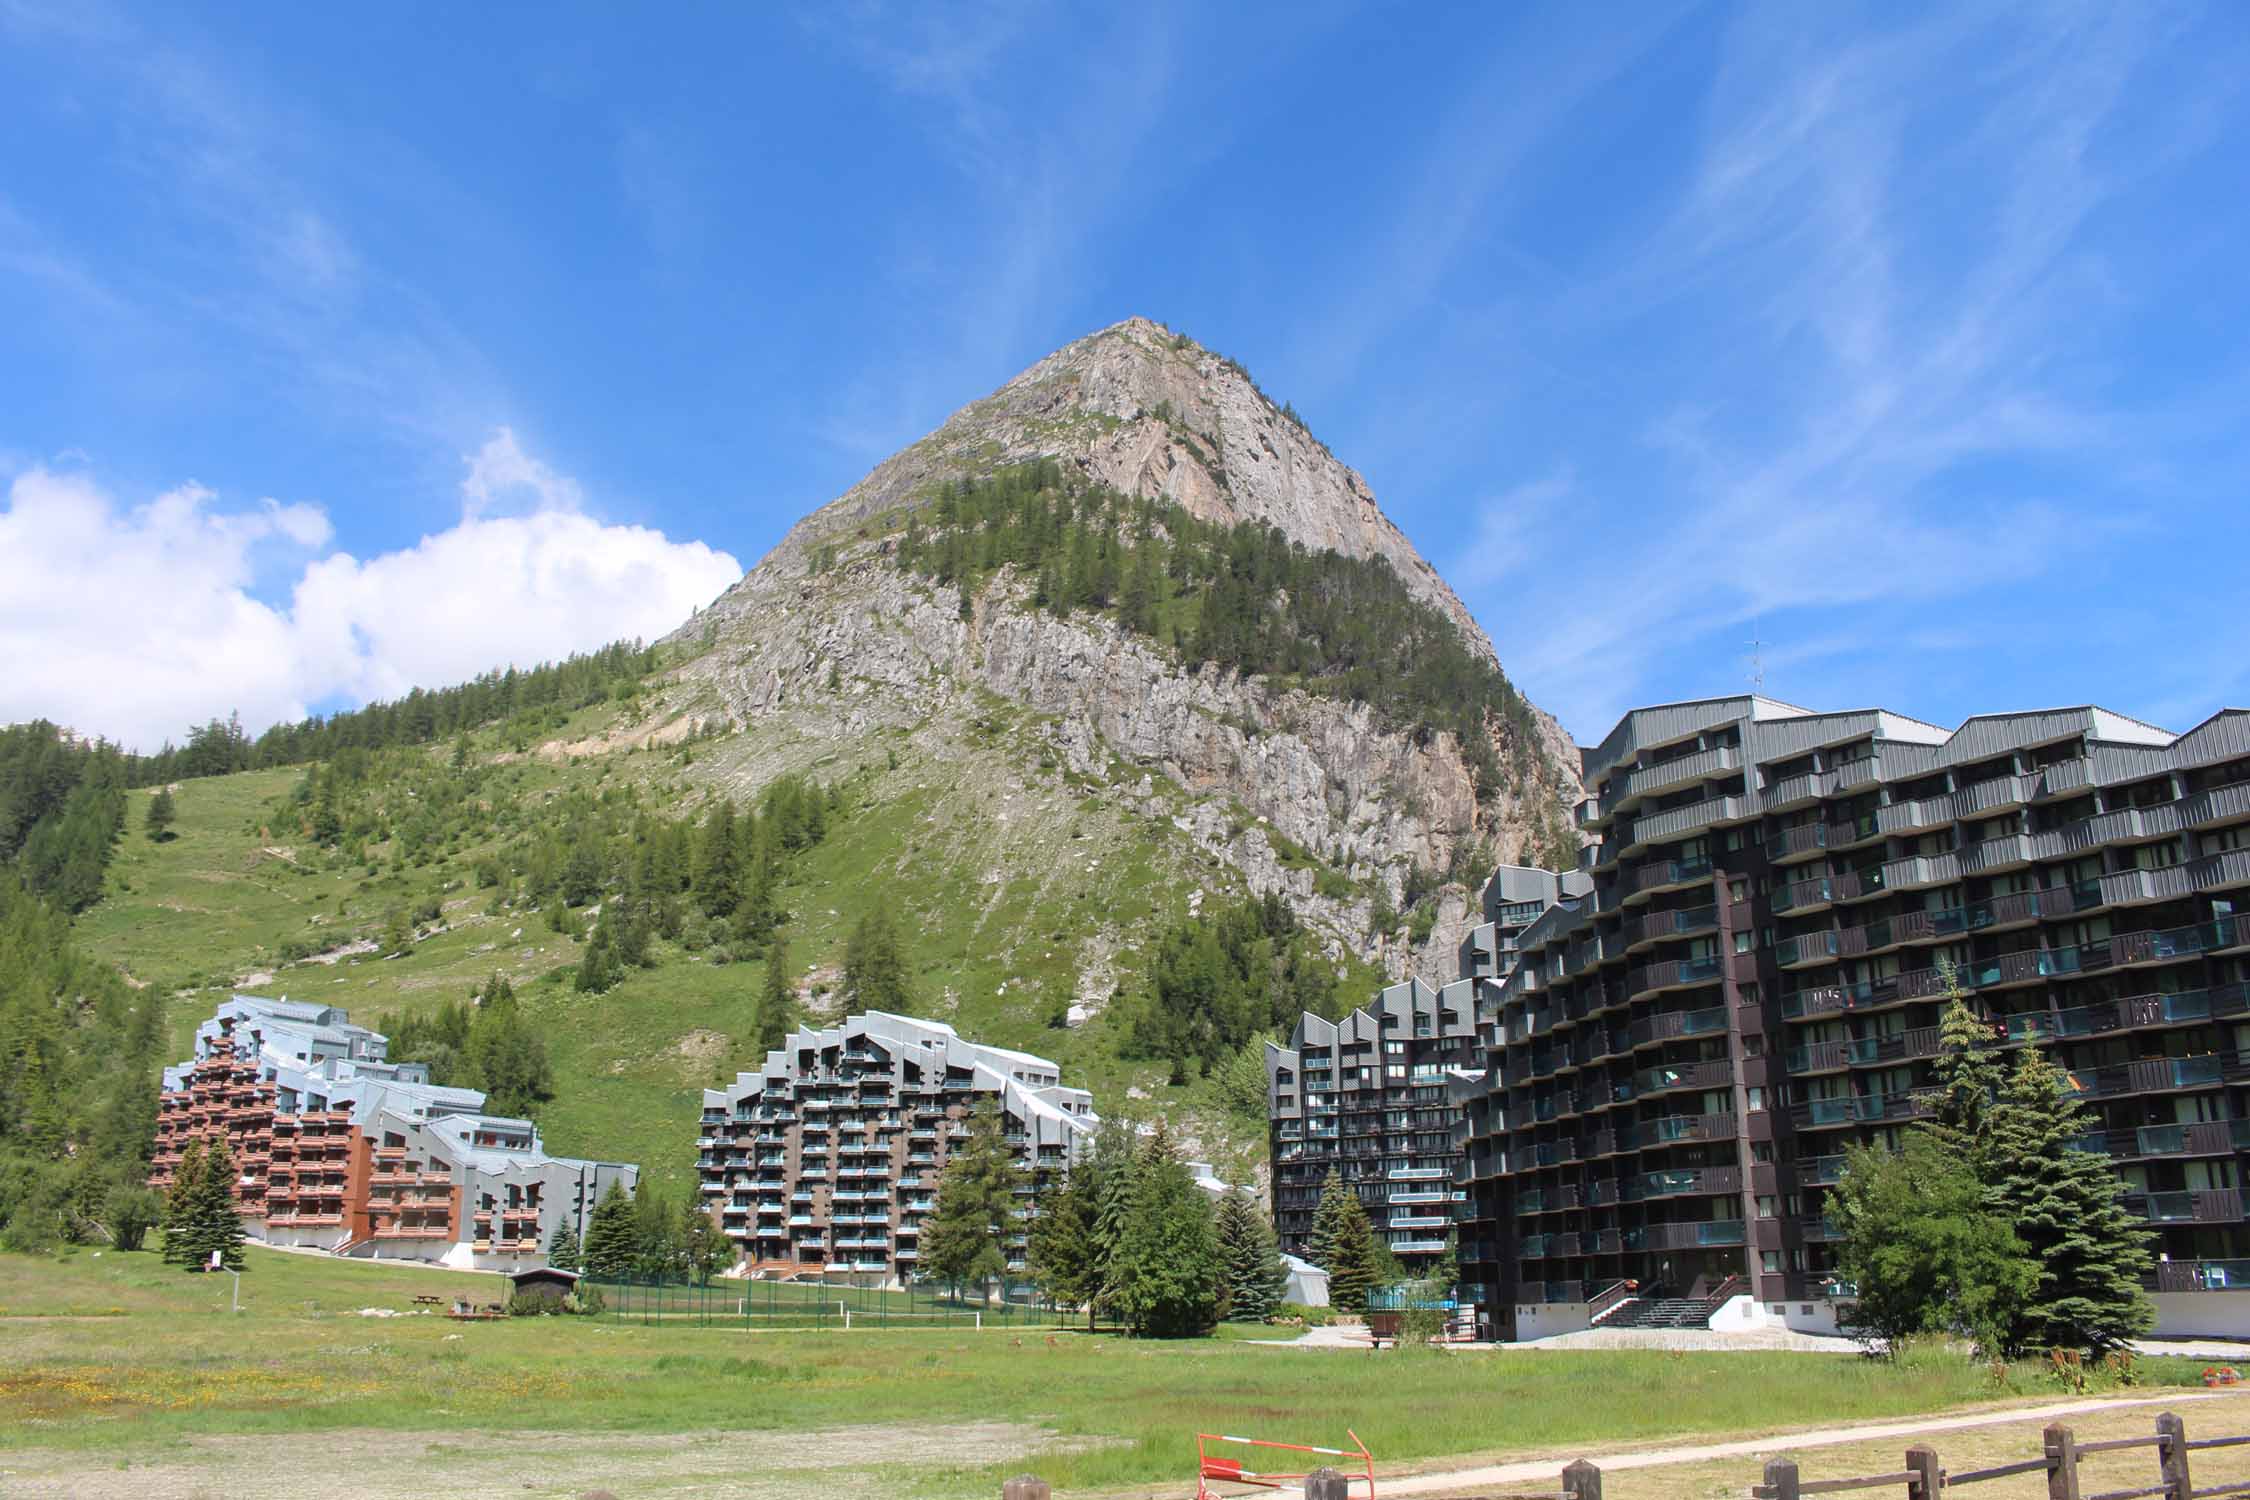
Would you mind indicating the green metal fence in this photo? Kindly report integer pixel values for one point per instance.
(725, 1303)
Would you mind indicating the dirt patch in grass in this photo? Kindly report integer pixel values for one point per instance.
(872, 1462)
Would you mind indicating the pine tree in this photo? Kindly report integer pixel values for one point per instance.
(505, 1056)
(2067, 1207)
(1169, 1269)
(1116, 1163)
(1968, 1078)
(1254, 1274)
(161, 812)
(874, 967)
(718, 875)
(777, 1000)
(179, 1204)
(702, 1246)
(656, 1235)
(1354, 1260)
(563, 1251)
(1064, 1255)
(1320, 1242)
(964, 1240)
(610, 1245)
(200, 1215)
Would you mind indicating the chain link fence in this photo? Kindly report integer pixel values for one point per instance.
(727, 1303)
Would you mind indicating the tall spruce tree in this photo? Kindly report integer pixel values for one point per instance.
(1064, 1254)
(1169, 1269)
(2067, 1207)
(563, 1251)
(1968, 1078)
(964, 1240)
(1116, 1161)
(610, 1243)
(1320, 1242)
(179, 1204)
(1354, 1259)
(1254, 1276)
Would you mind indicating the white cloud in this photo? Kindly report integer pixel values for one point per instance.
(501, 468)
(137, 622)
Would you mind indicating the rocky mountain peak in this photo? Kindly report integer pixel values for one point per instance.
(1155, 415)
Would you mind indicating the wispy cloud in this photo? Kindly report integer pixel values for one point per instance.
(1906, 427)
(1042, 186)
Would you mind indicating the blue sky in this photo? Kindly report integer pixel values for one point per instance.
(341, 351)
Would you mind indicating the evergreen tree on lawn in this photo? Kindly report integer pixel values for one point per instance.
(1320, 1243)
(1169, 1269)
(964, 1240)
(1065, 1253)
(179, 1204)
(1116, 1164)
(2067, 1207)
(200, 1216)
(1354, 1260)
(703, 1249)
(563, 1251)
(1254, 1273)
(610, 1243)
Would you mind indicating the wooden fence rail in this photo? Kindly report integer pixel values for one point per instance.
(1922, 1478)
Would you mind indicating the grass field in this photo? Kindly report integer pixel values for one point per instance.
(119, 1359)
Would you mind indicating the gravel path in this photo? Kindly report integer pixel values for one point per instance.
(1820, 1437)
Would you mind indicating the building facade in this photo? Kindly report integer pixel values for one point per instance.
(337, 1148)
(1374, 1096)
(826, 1160)
(1753, 983)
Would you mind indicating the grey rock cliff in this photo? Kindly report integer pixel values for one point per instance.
(1283, 786)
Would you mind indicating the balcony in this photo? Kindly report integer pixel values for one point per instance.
(1857, 1109)
(1806, 948)
(1649, 780)
(1673, 974)
(1667, 874)
(2202, 1276)
(1835, 1057)
(2202, 1206)
(1681, 922)
(1800, 842)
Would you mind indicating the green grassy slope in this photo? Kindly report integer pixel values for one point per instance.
(1017, 886)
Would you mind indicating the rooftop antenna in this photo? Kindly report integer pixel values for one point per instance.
(1757, 665)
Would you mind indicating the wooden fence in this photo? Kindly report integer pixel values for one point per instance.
(1923, 1477)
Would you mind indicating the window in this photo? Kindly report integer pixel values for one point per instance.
(1742, 941)
(1769, 1260)
(1757, 1098)
(1766, 1206)
(1738, 890)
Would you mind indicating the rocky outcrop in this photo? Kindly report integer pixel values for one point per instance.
(1298, 793)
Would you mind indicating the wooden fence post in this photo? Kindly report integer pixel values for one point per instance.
(2062, 1463)
(1327, 1484)
(1928, 1478)
(2174, 1454)
(1024, 1487)
(1781, 1479)
(1582, 1481)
